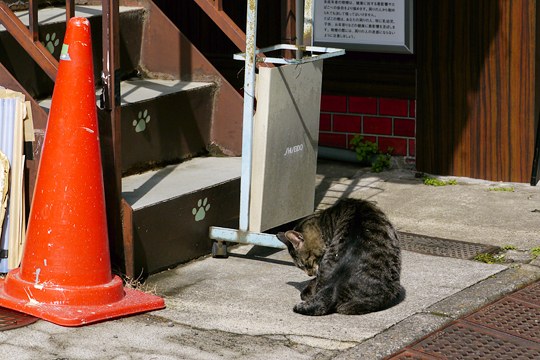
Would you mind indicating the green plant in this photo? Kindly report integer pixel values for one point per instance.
(489, 258)
(535, 251)
(438, 182)
(509, 247)
(369, 152)
(382, 161)
(364, 149)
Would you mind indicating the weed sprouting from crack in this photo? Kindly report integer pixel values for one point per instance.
(490, 258)
(431, 181)
(502, 189)
(138, 284)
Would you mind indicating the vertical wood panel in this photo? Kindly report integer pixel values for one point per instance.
(476, 92)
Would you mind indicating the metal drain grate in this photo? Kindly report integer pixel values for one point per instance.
(529, 294)
(10, 319)
(443, 247)
(510, 316)
(412, 355)
(507, 329)
(462, 340)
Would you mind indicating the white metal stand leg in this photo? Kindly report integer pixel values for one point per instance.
(242, 235)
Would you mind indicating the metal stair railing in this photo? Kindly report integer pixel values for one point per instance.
(28, 37)
(214, 10)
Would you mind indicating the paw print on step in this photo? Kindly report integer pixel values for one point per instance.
(51, 42)
(143, 118)
(200, 211)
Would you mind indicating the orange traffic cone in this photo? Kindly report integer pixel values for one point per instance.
(65, 275)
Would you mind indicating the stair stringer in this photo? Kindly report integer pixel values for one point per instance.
(166, 52)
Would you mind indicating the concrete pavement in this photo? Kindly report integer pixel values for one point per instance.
(241, 307)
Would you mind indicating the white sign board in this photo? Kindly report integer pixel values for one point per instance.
(364, 25)
(285, 139)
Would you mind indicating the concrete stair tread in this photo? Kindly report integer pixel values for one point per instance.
(137, 90)
(53, 15)
(153, 187)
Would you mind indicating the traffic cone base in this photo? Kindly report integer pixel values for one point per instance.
(65, 275)
(132, 302)
(15, 286)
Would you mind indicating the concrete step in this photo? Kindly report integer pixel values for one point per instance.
(55, 15)
(171, 210)
(52, 30)
(168, 211)
(163, 121)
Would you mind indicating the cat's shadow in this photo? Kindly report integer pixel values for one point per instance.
(298, 285)
(261, 253)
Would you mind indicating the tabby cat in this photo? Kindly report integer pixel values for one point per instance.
(352, 250)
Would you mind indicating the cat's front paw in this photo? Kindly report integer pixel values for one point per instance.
(307, 308)
(300, 308)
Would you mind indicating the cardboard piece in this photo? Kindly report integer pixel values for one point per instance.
(14, 113)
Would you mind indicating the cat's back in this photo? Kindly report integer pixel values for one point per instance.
(363, 229)
(356, 214)
(372, 252)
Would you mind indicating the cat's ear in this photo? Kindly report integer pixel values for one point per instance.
(295, 238)
(281, 237)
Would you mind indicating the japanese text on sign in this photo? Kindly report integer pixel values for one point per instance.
(360, 22)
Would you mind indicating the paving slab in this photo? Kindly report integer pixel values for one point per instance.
(473, 210)
(254, 295)
(144, 337)
(241, 307)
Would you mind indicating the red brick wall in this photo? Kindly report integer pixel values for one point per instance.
(388, 122)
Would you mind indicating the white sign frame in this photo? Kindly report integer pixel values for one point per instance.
(365, 25)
